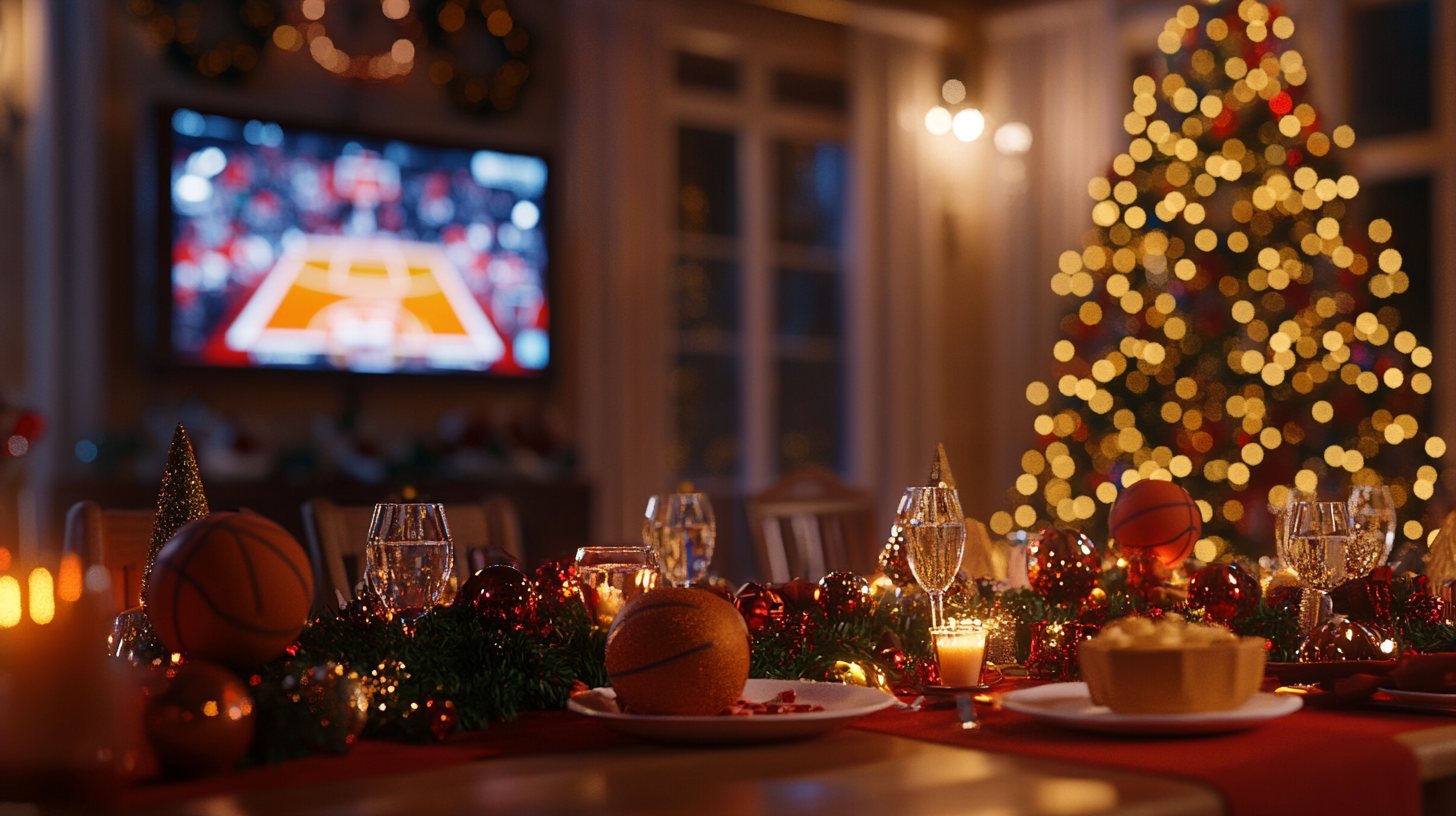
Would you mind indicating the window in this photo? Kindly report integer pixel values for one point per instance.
(758, 363)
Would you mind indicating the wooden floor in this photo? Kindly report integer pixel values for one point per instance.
(848, 772)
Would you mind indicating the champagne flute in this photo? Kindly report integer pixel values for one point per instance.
(653, 520)
(409, 558)
(1319, 535)
(1372, 515)
(935, 530)
(612, 576)
(688, 532)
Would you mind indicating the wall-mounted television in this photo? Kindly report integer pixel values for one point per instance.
(298, 248)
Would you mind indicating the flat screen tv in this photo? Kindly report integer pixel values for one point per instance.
(296, 248)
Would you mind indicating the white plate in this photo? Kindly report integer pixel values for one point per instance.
(1069, 705)
(1419, 699)
(841, 705)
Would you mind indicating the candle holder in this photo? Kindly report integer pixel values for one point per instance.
(960, 655)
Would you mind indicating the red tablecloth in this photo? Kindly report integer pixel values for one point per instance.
(1311, 762)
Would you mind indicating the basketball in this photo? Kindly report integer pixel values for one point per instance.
(234, 588)
(1158, 518)
(678, 651)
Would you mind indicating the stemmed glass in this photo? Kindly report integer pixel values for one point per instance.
(409, 558)
(612, 576)
(1372, 515)
(1319, 533)
(935, 530)
(652, 521)
(685, 545)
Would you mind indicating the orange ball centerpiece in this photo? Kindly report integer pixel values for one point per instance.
(1157, 518)
(678, 651)
(234, 588)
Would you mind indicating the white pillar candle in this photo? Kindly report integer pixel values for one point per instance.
(960, 652)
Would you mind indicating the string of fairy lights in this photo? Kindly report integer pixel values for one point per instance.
(475, 50)
(1218, 309)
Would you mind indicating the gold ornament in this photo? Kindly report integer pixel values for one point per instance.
(180, 500)
(860, 673)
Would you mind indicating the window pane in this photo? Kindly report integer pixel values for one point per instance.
(707, 182)
(707, 295)
(808, 304)
(810, 414)
(699, 71)
(810, 187)
(805, 89)
(1390, 73)
(705, 389)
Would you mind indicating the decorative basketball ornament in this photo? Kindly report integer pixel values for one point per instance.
(678, 651)
(234, 588)
(1158, 518)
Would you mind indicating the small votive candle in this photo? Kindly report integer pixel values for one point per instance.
(960, 652)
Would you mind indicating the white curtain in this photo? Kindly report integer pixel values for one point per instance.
(1059, 69)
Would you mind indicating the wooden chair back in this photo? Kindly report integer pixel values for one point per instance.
(809, 524)
(117, 540)
(480, 531)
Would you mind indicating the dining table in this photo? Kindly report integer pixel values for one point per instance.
(898, 761)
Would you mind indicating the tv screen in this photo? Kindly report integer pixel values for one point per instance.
(307, 249)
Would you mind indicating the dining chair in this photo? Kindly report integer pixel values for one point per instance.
(809, 524)
(483, 532)
(118, 540)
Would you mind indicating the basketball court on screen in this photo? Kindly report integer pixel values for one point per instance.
(367, 304)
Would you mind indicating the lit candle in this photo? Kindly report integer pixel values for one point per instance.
(960, 652)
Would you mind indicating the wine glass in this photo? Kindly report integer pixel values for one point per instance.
(1372, 515)
(1319, 533)
(409, 558)
(612, 576)
(935, 530)
(652, 521)
(686, 544)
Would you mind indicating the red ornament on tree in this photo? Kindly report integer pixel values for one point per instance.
(759, 606)
(843, 594)
(1225, 591)
(501, 597)
(1158, 518)
(1063, 566)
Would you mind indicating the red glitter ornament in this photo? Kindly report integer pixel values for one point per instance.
(759, 605)
(1225, 591)
(1425, 609)
(1062, 566)
(844, 594)
(799, 595)
(501, 597)
(1054, 650)
(556, 582)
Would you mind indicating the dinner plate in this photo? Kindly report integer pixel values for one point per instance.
(1420, 699)
(1070, 705)
(842, 704)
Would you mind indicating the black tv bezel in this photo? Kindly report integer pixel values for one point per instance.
(156, 273)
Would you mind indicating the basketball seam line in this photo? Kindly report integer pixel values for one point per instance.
(252, 575)
(246, 627)
(176, 593)
(661, 605)
(1146, 510)
(258, 539)
(656, 663)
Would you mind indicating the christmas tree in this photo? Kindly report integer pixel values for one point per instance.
(1231, 327)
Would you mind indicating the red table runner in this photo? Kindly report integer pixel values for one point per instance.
(1324, 762)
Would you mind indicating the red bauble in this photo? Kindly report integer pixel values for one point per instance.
(1063, 566)
(1158, 517)
(1225, 591)
(759, 606)
(1054, 649)
(203, 722)
(501, 597)
(800, 595)
(844, 594)
(556, 582)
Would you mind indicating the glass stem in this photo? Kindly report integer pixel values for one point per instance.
(937, 606)
(1311, 610)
